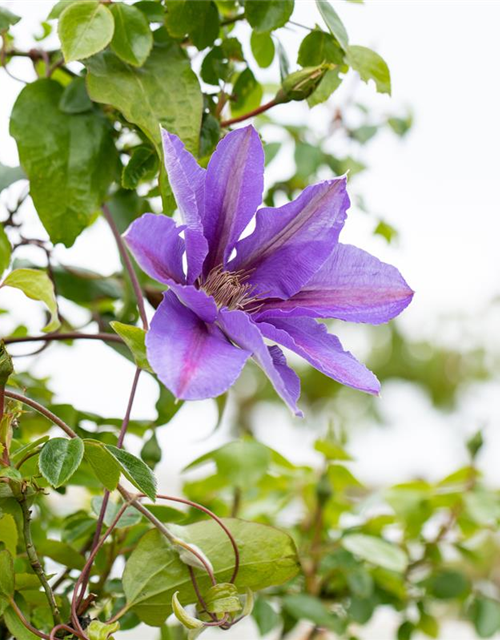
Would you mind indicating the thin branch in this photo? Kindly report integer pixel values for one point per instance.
(34, 559)
(43, 410)
(128, 265)
(228, 21)
(251, 114)
(70, 335)
(25, 622)
(85, 575)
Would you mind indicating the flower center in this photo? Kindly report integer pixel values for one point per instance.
(228, 288)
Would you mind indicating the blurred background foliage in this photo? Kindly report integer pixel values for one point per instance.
(428, 551)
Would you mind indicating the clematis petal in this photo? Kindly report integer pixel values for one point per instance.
(233, 191)
(187, 180)
(241, 329)
(352, 285)
(291, 243)
(197, 300)
(155, 242)
(312, 341)
(192, 359)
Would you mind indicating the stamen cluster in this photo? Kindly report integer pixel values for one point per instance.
(228, 288)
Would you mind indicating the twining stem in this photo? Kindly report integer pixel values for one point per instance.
(34, 559)
(128, 265)
(96, 543)
(43, 410)
(70, 335)
(251, 114)
(25, 622)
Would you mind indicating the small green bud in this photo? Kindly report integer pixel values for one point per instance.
(98, 630)
(222, 598)
(6, 367)
(301, 84)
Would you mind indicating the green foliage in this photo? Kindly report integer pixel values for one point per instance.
(59, 459)
(154, 571)
(334, 23)
(164, 91)
(132, 39)
(135, 470)
(370, 66)
(134, 338)
(36, 285)
(263, 48)
(268, 16)
(85, 28)
(50, 141)
(7, 19)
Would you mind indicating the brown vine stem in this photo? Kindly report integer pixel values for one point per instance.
(96, 544)
(42, 410)
(265, 107)
(70, 335)
(25, 622)
(34, 559)
(128, 265)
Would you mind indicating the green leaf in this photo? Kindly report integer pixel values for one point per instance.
(59, 459)
(7, 19)
(9, 175)
(242, 463)
(85, 28)
(135, 470)
(206, 30)
(448, 584)
(306, 607)
(154, 571)
(385, 230)
(134, 338)
(209, 135)
(319, 47)
(377, 551)
(164, 91)
(59, 7)
(215, 66)
(104, 465)
(5, 250)
(333, 22)
(36, 285)
(183, 16)
(70, 159)
(18, 454)
(6, 574)
(129, 517)
(143, 165)
(153, 11)
(167, 406)
(12, 473)
(61, 552)
(247, 92)
(485, 614)
(151, 451)
(268, 15)
(16, 627)
(370, 66)
(265, 616)
(132, 40)
(101, 631)
(75, 98)
(263, 48)
(271, 150)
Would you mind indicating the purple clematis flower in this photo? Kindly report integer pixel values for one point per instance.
(237, 294)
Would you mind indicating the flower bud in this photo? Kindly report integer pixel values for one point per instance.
(301, 84)
(223, 598)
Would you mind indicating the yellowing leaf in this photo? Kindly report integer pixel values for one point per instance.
(38, 286)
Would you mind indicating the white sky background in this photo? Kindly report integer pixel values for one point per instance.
(439, 187)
